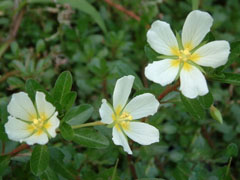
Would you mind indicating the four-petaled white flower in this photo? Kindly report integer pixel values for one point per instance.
(31, 123)
(122, 114)
(186, 58)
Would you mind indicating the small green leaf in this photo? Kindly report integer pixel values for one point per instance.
(6, 5)
(49, 174)
(4, 161)
(232, 150)
(194, 107)
(40, 46)
(3, 135)
(216, 114)
(69, 100)
(14, 48)
(31, 87)
(90, 138)
(66, 131)
(78, 115)
(57, 164)
(39, 159)
(62, 86)
(206, 100)
(230, 78)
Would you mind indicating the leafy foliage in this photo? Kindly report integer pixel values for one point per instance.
(75, 50)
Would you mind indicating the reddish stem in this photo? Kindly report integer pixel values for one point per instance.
(124, 10)
(19, 149)
(168, 90)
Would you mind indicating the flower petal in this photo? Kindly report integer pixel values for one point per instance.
(195, 28)
(44, 107)
(213, 54)
(193, 83)
(16, 129)
(142, 106)
(142, 133)
(53, 124)
(37, 139)
(161, 38)
(162, 72)
(21, 107)
(120, 139)
(122, 91)
(106, 112)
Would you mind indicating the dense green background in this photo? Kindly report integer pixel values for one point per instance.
(98, 49)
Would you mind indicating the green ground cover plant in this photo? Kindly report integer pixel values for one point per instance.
(107, 90)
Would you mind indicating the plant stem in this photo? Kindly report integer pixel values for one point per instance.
(168, 90)
(96, 123)
(19, 149)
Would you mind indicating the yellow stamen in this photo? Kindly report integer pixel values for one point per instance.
(39, 124)
(121, 119)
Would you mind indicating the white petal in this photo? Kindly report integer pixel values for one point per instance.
(53, 125)
(43, 106)
(162, 72)
(16, 129)
(21, 107)
(142, 133)
(106, 112)
(161, 38)
(213, 54)
(195, 28)
(193, 83)
(142, 106)
(122, 91)
(37, 139)
(120, 139)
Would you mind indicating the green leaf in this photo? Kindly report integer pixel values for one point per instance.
(66, 131)
(49, 174)
(230, 78)
(232, 150)
(6, 5)
(115, 171)
(150, 53)
(57, 164)
(206, 100)
(3, 135)
(78, 115)
(39, 159)
(31, 87)
(194, 107)
(81, 5)
(69, 100)
(40, 46)
(4, 161)
(62, 86)
(90, 138)
(216, 114)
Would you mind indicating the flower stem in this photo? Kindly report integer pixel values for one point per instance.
(168, 90)
(96, 123)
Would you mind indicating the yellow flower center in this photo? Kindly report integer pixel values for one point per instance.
(39, 124)
(121, 119)
(184, 56)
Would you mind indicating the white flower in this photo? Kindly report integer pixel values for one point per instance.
(31, 123)
(122, 114)
(213, 54)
